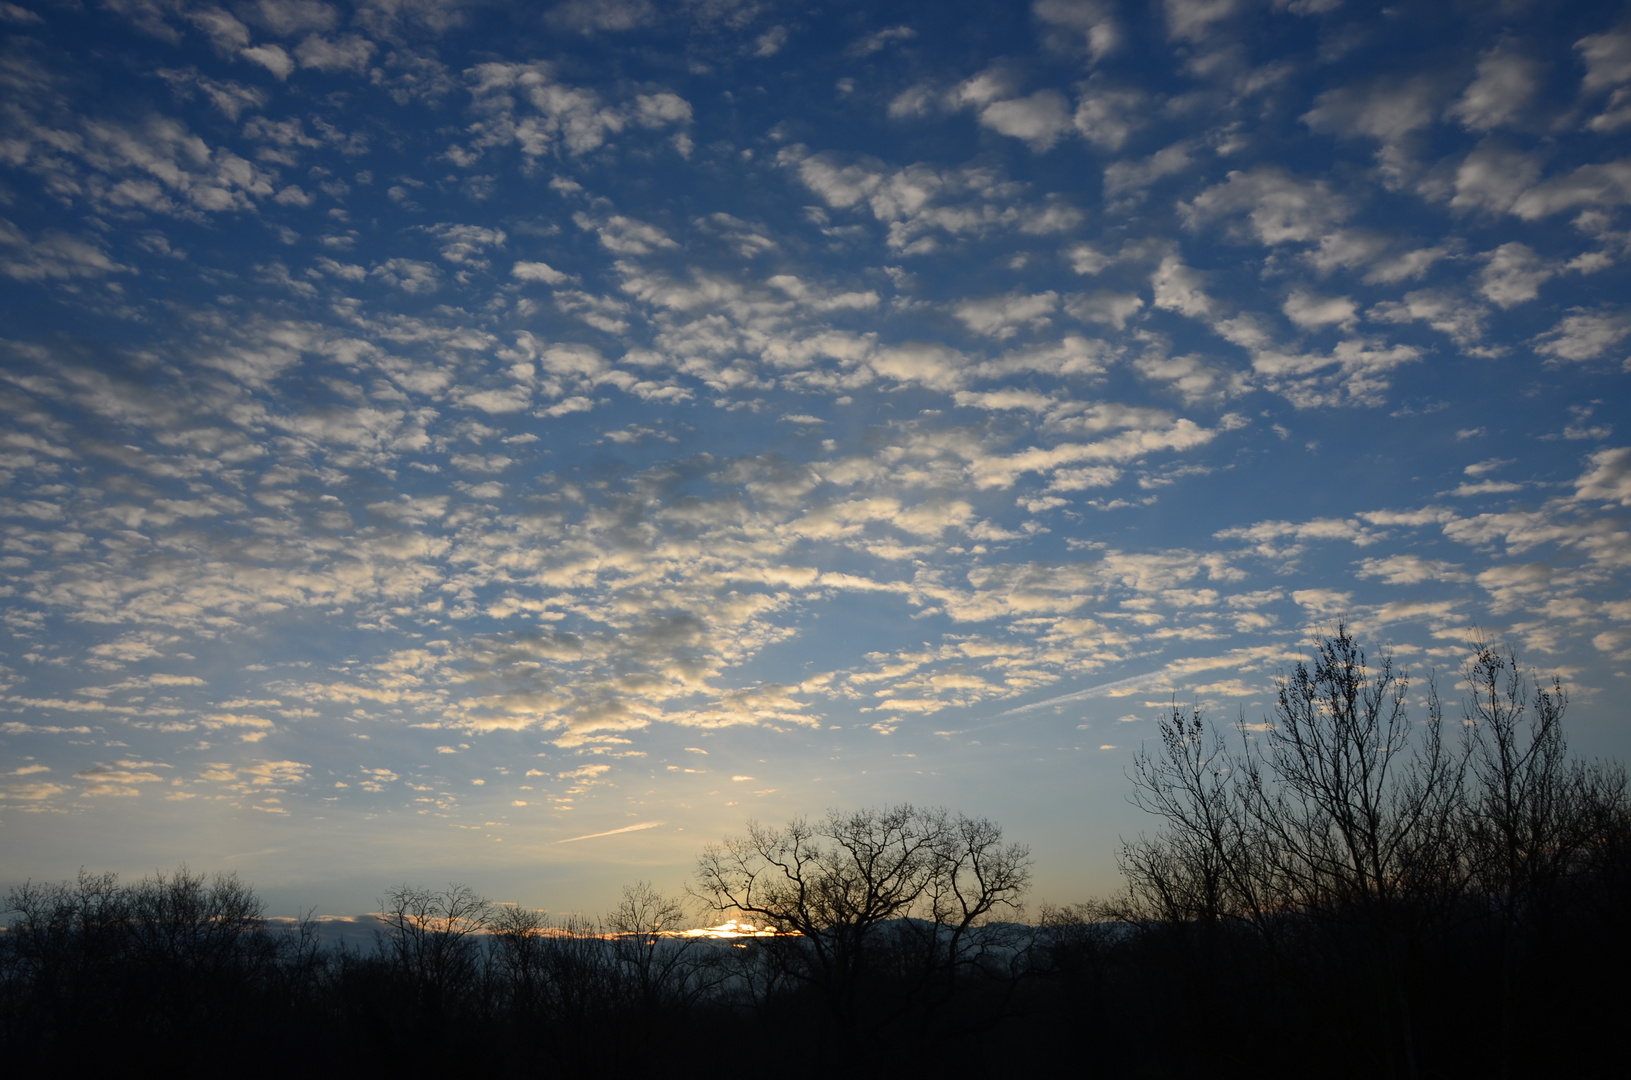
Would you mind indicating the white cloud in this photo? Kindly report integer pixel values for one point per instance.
(1392, 110)
(1195, 379)
(1104, 308)
(1134, 176)
(588, 16)
(1505, 85)
(225, 33)
(409, 275)
(344, 271)
(293, 195)
(1609, 478)
(289, 17)
(1585, 335)
(561, 116)
(538, 271)
(659, 110)
(1088, 24)
(1445, 311)
(1493, 176)
(625, 235)
(1353, 373)
(1179, 288)
(348, 53)
(156, 165)
(1107, 117)
(1038, 120)
(1315, 529)
(938, 367)
(1604, 185)
(770, 42)
(1374, 252)
(920, 205)
(1004, 470)
(1405, 266)
(20, 15)
(51, 256)
(1608, 59)
(120, 779)
(1514, 274)
(1074, 356)
(1608, 67)
(1196, 20)
(271, 57)
(879, 40)
(463, 245)
(1279, 208)
(1087, 259)
(1312, 312)
(1003, 316)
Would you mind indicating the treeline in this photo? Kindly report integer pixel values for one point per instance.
(1352, 887)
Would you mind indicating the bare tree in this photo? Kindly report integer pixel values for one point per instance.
(430, 939)
(517, 947)
(1522, 814)
(1534, 817)
(976, 877)
(1200, 865)
(1356, 801)
(654, 960)
(1336, 825)
(61, 936)
(832, 886)
(195, 923)
(1342, 787)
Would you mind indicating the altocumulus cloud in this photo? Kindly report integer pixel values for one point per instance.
(406, 447)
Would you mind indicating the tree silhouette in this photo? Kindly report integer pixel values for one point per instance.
(430, 940)
(1352, 843)
(834, 888)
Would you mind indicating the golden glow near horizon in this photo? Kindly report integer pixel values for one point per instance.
(730, 928)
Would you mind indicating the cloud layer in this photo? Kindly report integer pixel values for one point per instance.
(534, 445)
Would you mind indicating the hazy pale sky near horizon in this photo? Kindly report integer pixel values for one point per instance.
(517, 444)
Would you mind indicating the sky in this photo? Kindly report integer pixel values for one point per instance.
(520, 444)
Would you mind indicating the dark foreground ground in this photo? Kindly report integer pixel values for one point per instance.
(182, 973)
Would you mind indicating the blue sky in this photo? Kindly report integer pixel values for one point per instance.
(518, 444)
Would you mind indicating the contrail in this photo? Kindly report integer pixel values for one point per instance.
(613, 832)
(1090, 692)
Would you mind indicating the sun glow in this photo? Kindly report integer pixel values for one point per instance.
(731, 928)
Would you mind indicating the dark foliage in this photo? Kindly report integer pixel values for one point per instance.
(1345, 890)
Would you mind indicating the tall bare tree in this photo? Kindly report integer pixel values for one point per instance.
(1335, 823)
(1355, 803)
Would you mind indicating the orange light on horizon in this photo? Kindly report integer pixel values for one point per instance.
(731, 928)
